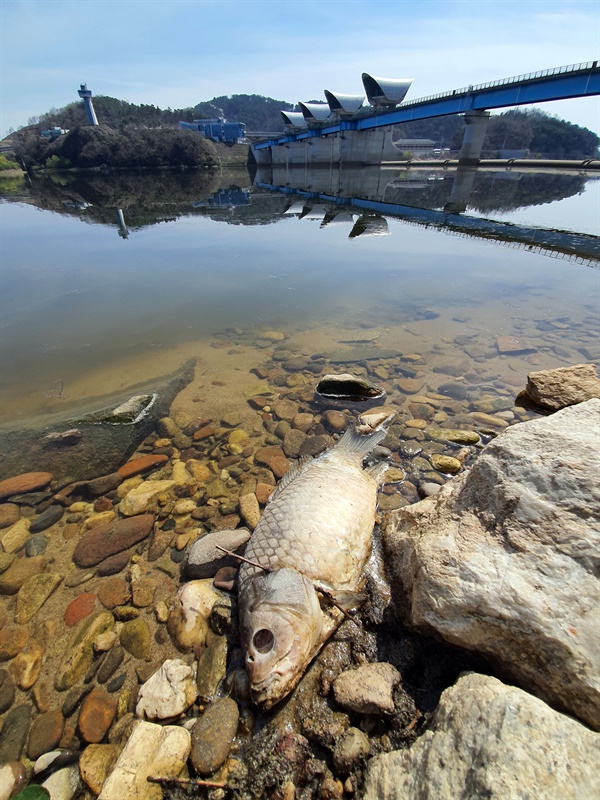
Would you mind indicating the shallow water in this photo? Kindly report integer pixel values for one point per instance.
(86, 312)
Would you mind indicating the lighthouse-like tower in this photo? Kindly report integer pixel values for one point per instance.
(86, 95)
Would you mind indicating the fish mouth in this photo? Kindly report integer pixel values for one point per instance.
(269, 691)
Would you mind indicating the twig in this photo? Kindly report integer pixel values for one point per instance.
(187, 782)
(326, 593)
(245, 560)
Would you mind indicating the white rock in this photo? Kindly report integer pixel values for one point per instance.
(502, 561)
(188, 618)
(167, 693)
(64, 783)
(205, 559)
(137, 500)
(151, 749)
(490, 740)
(368, 689)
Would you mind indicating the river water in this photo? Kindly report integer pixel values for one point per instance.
(108, 281)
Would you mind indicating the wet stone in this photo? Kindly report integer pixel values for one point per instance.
(14, 538)
(116, 683)
(34, 593)
(7, 691)
(14, 733)
(9, 514)
(135, 638)
(76, 577)
(111, 664)
(13, 777)
(36, 545)
(79, 653)
(211, 668)
(114, 592)
(12, 640)
(6, 559)
(45, 734)
(27, 482)
(26, 666)
(100, 486)
(212, 736)
(96, 763)
(114, 564)
(47, 518)
(314, 445)
(79, 608)
(74, 699)
(96, 716)
(114, 537)
(445, 463)
(142, 464)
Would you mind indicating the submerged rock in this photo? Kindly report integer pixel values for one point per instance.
(213, 734)
(490, 740)
(341, 391)
(501, 561)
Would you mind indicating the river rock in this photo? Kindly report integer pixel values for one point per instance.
(96, 715)
(12, 640)
(95, 764)
(168, 693)
(107, 540)
(250, 510)
(212, 666)
(79, 608)
(350, 750)
(9, 514)
(47, 518)
(13, 777)
(113, 592)
(45, 733)
(103, 485)
(368, 689)
(445, 463)
(501, 560)
(188, 618)
(150, 750)
(34, 593)
(63, 784)
(15, 537)
(138, 500)
(141, 464)
(274, 458)
(26, 482)
(135, 637)
(213, 735)
(26, 666)
(7, 691)
(565, 386)
(452, 435)
(14, 733)
(204, 559)
(490, 740)
(79, 653)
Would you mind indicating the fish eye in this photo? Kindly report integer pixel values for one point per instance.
(263, 640)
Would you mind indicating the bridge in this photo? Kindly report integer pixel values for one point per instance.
(344, 117)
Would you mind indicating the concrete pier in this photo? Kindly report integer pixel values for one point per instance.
(476, 125)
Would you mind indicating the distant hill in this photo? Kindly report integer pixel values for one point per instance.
(535, 131)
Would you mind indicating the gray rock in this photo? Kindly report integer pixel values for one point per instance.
(502, 560)
(14, 733)
(494, 741)
(558, 388)
(47, 518)
(212, 736)
(205, 559)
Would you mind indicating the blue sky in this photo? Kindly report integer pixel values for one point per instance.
(176, 53)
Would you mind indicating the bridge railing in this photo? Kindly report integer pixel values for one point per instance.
(544, 73)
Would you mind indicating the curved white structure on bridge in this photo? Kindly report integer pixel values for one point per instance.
(344, 103)
(294, 118)
(385, 91)
(315, 112)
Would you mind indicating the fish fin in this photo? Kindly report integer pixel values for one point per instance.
(293, 472)
(377, 470)
(360, 444)
(346, 600)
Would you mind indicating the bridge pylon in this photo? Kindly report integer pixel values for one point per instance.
(476, 123)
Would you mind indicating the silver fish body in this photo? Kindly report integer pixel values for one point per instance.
(315, 531)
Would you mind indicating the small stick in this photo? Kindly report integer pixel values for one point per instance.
(326, 593)
(187, 782)
(245, 560)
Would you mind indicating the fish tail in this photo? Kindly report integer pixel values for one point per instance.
(360, 444)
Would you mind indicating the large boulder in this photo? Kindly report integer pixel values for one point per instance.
(504, 561)
(490, 740)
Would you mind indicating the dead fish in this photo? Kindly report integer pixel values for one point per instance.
(314, 532)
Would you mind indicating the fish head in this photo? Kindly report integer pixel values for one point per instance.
(280, 626)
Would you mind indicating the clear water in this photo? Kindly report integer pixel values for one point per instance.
(86, 312)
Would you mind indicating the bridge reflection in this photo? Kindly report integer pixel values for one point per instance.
(366, 198)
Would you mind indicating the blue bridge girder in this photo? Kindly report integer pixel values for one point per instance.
(559, 83)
